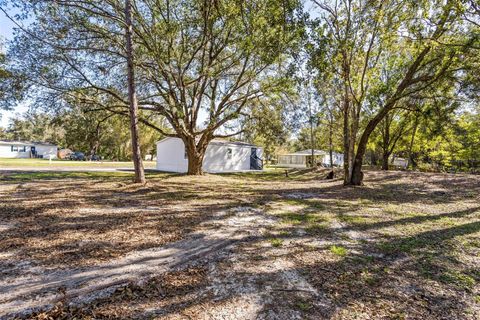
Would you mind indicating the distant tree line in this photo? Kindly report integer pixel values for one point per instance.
(103, 134)
(371, 79)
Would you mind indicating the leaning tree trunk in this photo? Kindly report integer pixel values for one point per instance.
(132, 98)
(357, 173)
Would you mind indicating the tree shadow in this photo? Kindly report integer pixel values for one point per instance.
(174, 208)
(394, 283)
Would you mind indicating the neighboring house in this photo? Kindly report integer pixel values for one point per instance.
(27, 149)
(400, 163)
(220, 156)
(303, 159)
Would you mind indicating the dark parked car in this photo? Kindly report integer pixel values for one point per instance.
(94, 157)
(77, 156)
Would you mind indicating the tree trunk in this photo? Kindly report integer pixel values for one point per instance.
(312, 138)
(195, 162)
(195, 153)
(411, 161)
(385, 158)
(132, 98)
(330, 145)
(357, 174)
(347, 168)
(385, 141)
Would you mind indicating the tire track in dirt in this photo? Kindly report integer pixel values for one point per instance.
(41, 289)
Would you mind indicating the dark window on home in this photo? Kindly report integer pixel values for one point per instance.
(19, 149)
(229, 153)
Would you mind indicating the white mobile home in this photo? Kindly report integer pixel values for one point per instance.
(221, 156)
(27, 149)
(303, 159)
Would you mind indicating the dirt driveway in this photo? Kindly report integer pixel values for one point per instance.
(406, 245)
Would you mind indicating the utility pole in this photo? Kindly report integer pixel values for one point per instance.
(132, 97)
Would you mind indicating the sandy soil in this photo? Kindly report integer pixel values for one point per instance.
(404, 246)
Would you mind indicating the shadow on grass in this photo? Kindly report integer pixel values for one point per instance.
(349, 281)
(355, 278)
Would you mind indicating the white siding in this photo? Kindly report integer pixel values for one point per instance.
(337, 159)
(292, 161)
(6, 152)
(171, 157)
(46, 151)
(217, 159)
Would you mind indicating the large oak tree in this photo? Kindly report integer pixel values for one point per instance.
(200, 64)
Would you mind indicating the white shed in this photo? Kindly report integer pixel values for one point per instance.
(220, 156)
(27, 149)
(303, 159)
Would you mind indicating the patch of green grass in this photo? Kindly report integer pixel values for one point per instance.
(29, 176)
(471, 194)
(338, 250)
(315, 204)
(369, 259)
(317, 228)
(285, 233)
(477, 298)
(365, 201)
(26, 176)
(368, 277)
(472, 243)
(387, 247)
(407, 245)
(353, 219)
(448, 222)
(460, 279)
(11, 163)
(276, 242)
(399, 316)
(413, 214)
(304, 305)
(299, 218)
(268, 174)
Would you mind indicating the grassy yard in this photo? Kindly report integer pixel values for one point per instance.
(404, 246)
(42, 163)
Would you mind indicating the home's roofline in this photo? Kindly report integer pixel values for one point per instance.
(165, 139)
(236, 143)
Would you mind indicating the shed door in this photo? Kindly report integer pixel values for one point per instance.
(255, 161)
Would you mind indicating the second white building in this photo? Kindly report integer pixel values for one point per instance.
(221, 156)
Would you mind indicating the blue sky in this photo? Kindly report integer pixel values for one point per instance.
(6, 32)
